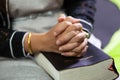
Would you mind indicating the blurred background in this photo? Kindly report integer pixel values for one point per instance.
(107, 20)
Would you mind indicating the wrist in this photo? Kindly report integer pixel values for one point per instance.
(33, 43)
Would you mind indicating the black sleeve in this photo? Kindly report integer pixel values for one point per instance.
(82, 9)
(11, 43)
(10, 40)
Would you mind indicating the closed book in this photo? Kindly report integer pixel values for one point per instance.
(93, 65)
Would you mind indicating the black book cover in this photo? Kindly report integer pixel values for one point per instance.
(92, 56)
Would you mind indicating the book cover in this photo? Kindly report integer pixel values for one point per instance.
(92, 65)
(92, 56)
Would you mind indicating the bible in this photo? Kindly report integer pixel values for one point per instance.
(93, 65)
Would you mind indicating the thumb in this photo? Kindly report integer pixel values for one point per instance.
(61, 17)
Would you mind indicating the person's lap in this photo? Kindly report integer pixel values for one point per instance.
(21, 69)
(26, 69)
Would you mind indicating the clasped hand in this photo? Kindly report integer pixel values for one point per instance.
(68, 37)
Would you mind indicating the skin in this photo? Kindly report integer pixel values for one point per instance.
(65, 38)
(71, 48)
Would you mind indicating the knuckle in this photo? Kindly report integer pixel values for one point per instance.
(67, 23)
(62, 39)
(83, 36)
(73, 33)
(78, 26)
(75, 26)
(69, 17)
(78, 37)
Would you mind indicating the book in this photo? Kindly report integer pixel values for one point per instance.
(93, 65)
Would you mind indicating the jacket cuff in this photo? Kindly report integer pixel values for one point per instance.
(16, 46)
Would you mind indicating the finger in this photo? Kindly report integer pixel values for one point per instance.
(72, 20)
(73, 27)
(65, 38)
(72, 54)
(69, 54)
(76, 27)
(74, 30)
(61, 27)
(68, 47)
(81, 53)
(61, 18)
(78, 38)
(84, 50)
(81, 46)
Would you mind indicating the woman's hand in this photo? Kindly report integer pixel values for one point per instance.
(65, 38)
(74, 43)
(46, 41)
